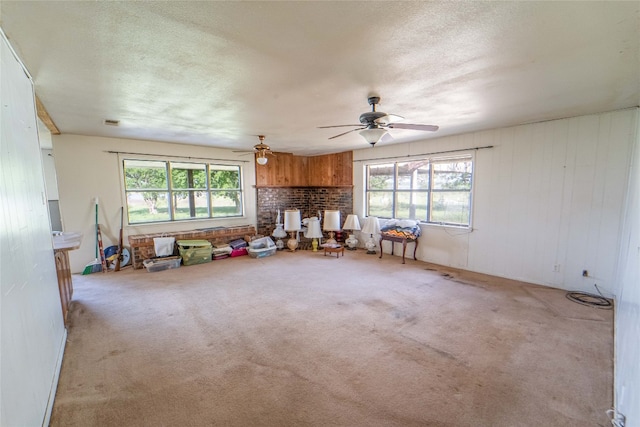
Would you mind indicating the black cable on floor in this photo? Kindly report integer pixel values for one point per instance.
(591, 300)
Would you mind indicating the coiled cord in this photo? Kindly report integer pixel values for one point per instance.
(590, 300)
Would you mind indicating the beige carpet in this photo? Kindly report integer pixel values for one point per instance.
(302, 339)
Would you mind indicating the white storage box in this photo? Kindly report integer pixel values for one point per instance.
(158, 264)
(260, 253)
(261, 247)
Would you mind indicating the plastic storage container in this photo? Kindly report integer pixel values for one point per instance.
(158, 264)
(194, 251)
(261, 248)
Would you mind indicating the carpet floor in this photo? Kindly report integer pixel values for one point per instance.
(303, 339)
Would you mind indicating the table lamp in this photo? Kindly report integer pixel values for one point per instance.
(314, 232)
(331, 224)
(371, 226)
(279, 232)
(292, 225)
(352, 224)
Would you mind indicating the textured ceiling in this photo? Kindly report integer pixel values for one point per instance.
(219, 73)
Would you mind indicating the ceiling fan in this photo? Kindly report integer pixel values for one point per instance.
(374, 124)
(261, 149)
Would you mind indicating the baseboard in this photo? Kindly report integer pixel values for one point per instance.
(54, 382)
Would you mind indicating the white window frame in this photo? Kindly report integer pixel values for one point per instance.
(431, 160)
(209, 164)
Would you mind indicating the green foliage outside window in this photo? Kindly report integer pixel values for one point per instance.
(428, 190)
(195, 190)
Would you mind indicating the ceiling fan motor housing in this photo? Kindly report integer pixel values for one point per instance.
(370, 117)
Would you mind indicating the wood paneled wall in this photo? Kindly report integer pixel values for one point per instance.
(287, 170)
(547, 200)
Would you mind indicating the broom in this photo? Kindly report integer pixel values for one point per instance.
(94, 266)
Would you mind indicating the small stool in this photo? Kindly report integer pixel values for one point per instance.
(337, 250)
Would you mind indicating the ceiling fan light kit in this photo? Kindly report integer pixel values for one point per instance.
(373, 135)
(374, 124)
(261, 149)
(262, 160)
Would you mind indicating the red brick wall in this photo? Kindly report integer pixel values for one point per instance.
(309, 200)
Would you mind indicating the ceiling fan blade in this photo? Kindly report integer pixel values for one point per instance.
(389, 118)
(338, 126)
(349, 131)
(430, 128)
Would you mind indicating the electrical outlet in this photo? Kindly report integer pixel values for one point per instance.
(556, 268)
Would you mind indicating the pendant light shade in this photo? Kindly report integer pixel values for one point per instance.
(372, 135)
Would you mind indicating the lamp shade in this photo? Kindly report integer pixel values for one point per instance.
(372, 135)
(292, 220)
(262, 160)
(351, 223)
(371, 225)
(331, 221)
(313, 229)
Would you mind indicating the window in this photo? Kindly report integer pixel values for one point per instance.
(429, 190)
(175, 191)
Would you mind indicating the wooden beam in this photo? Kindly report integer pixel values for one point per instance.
(46, 118)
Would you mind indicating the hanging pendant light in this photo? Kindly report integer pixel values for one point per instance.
(373, 134)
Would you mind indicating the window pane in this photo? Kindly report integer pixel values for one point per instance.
(413, 175)
(452, 175)
(144, 174)
(190, 204)
(380, 204)
(188, 176)
(380, 177)
(147, 206)
(226, 203)
(224, 177)
(451, 207)
(412, 205)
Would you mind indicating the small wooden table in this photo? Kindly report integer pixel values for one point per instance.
(398, 239)
(334, 250)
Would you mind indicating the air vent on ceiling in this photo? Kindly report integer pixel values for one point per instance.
(112, 122)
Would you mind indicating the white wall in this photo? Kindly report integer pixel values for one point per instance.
(546, 194)
(85, 170)
(627, 340)
(32, 329)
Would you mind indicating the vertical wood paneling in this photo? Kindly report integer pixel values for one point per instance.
(287, 170)
(500, 204)
(547, 194)
(32, 329)
(580, 204)
(483, 227)
(627, 328)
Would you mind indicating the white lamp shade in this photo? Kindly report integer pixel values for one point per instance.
(313, 229)
(331, 221)
(351, 223)
(262, 160)
(372, 135)
(292, 220)
(371, 225)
